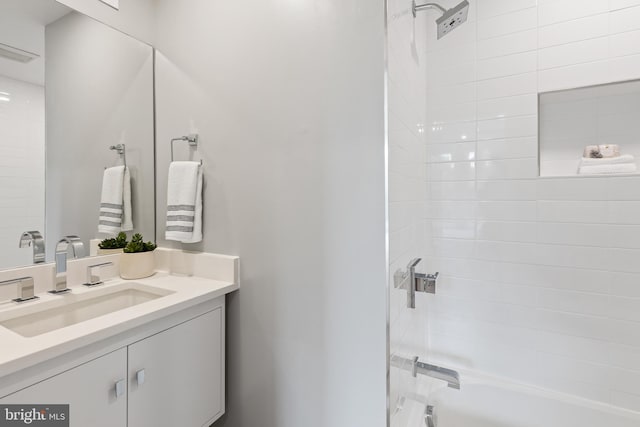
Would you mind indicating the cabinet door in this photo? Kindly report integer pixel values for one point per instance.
(176, 377)
(89, 389)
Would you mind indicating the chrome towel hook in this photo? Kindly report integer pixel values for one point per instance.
(191, 139)
(122, 151)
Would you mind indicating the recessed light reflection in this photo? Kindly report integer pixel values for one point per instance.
(5, 98)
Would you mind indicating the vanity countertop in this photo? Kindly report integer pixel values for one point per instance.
(179, 292)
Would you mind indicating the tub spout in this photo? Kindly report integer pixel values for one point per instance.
(451, 377)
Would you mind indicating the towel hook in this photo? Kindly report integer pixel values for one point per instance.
(122, 151)
(191, 139)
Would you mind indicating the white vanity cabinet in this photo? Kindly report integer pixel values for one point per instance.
(176, 377)
(89, 389)
(172, 377)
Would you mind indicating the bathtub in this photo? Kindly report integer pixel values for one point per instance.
(483, 402)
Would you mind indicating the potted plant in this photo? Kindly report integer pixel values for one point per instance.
(138, 260)
(112, 245)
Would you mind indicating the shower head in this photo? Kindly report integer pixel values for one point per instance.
(449, 20)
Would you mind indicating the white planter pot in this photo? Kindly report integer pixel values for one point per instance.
(137, 265)
(109, 251)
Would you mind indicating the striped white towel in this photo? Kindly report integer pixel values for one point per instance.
(184, 202)
(115, 201)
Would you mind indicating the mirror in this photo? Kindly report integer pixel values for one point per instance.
(70, 88)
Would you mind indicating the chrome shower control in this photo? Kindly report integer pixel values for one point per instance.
(414, 282)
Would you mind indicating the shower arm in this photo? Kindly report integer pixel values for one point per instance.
(415, 8)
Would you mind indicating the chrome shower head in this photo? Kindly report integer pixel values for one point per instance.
(449, 20)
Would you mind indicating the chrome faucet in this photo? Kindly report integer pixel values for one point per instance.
(25, 288)
(62, 250)
(416, 367)
(33, 238)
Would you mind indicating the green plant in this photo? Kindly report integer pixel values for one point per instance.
(137, 244)
(114, 243)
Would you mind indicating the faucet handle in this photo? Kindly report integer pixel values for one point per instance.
(95, 280)
(25, 288)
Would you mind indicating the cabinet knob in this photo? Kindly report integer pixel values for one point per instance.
(119, 388)
(140, 377)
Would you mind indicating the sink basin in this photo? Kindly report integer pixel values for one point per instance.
(78, 308)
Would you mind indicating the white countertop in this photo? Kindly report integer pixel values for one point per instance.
(18, 352)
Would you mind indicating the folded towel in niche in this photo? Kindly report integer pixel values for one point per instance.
(610, 169)
(115, 201)
(184, 202)
(627, 158)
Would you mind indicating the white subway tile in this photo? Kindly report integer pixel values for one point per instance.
(506, 251)
(573, 53)
(460, 171)
(498, 108)
(453, 229)
(511, 148)
(508, 23)
(624, 20)
(626, 212)
(507, 169)
(625, 284)
(507, 211)
(624, 260)
(558, 11)
(572, 31)
(510, 127)
(573, 211)
(504, 190)
(621, 4)
(462, 190)
(451, 132)
(573, 256)
(507, 231)
(624, 68)
(585, 280)
(442, 112)
(451, 209)
(518, 63)
(573, 189)
(507, 86)
(489, 8)
(452, 152)
(523, 41)
(588, 74)
(573, 234)
(624, 43)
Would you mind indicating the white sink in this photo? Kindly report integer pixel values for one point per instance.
(75, 308)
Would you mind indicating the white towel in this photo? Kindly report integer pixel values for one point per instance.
(115, 201)
(627, 158)
(609, 169)
(184, 202)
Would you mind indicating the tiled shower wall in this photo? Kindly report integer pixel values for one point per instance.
(407, 181)
(22, 166)
(540, 276)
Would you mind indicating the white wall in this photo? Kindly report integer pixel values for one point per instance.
(287, 97)
(99, 93)
(406, 41)
(540, 275)
(135, 17)
(21, 166)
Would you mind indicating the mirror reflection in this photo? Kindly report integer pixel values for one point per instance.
(76, 103)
